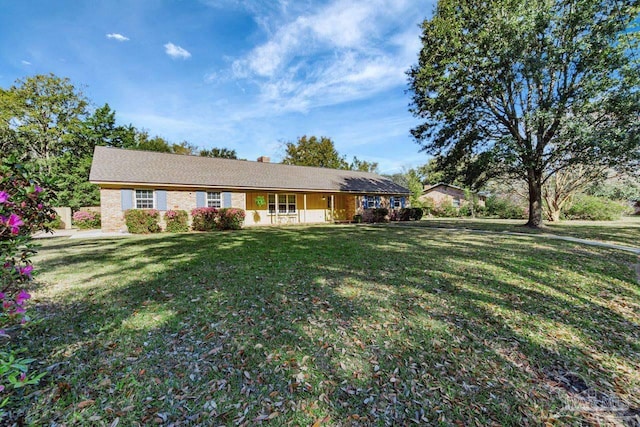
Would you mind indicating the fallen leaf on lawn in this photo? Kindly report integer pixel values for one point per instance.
(321, 421)
(86, 403)
(273, 415)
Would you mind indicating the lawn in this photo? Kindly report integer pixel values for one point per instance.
(625, 232)
(333, 325)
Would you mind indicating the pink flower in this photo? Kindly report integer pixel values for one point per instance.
(22, 296)
(1, 388)
(6, 304)
(23, 376)
(26, 271)
(38, 189)
(19, 310)
(1, 295)
(4, 196)
(13, 223)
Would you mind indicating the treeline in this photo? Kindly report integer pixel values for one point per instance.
(50, 126)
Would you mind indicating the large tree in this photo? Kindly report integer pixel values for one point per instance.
(529, 88)
(43, 114)
(314, 152)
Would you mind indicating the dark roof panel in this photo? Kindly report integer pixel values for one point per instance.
(114, 165)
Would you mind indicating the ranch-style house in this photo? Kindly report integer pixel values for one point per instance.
(270, 193)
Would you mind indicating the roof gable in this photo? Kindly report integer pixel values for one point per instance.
(114, 165)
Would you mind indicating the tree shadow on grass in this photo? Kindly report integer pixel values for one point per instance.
(362, 325)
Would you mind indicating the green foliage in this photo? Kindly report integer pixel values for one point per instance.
(177, 221)
(504, 208)
(54, 224)
(44, 113)
(363, 166)
(445, 210)
(223, 153)
(204, 219)
(24, 210)
(71, 177)
(230, 219)
(357, 218)
(529, 88)
(142, 221)
(593, 208)
(625, 187)
(100, 129)
(314, 152)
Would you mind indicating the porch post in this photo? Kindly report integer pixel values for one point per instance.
(305, 208)
(276, 213)
(333, 215)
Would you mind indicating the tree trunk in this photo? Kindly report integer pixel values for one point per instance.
(535, 199)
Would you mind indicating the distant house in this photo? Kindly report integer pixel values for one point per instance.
(270, 193)
(443, 193)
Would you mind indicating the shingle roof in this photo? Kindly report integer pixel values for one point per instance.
(114, 165)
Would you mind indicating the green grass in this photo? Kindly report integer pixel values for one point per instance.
(340, 325)
(625, 232)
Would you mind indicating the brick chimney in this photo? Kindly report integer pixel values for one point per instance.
(264, 159)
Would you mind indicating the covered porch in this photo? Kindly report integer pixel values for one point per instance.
(298, 208)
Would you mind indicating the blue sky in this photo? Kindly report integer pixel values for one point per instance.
(245, 75)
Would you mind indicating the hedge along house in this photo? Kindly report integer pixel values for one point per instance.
(270, 193)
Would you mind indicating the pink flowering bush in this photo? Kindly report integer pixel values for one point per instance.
(230, 219)
(176, 221)
(204, 219)
(86, 220)
(142, 221)
(23, 210)
(208, 219)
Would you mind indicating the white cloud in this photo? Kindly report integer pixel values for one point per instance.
(25, 62)
(335, 53)
(118, 37)
(176, 52)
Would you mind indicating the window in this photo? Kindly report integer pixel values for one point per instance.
(213, 200)
(396, 202)
(286, 203)
(456, 202)
(369, 202)
(144, 199)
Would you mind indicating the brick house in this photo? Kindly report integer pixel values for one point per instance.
(270, 193)
(442, 193)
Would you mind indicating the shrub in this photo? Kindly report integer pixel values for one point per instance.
(230, 219)
(142, 221)
(404, 214)
(381, 215)
(54, 224)
(593, 208)
(416, 213)
(503, 208)
(176, 221)
(375, 215)
(204, 219)
(357, 219)
(24, 209)
(85, 220)
(445, 209)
